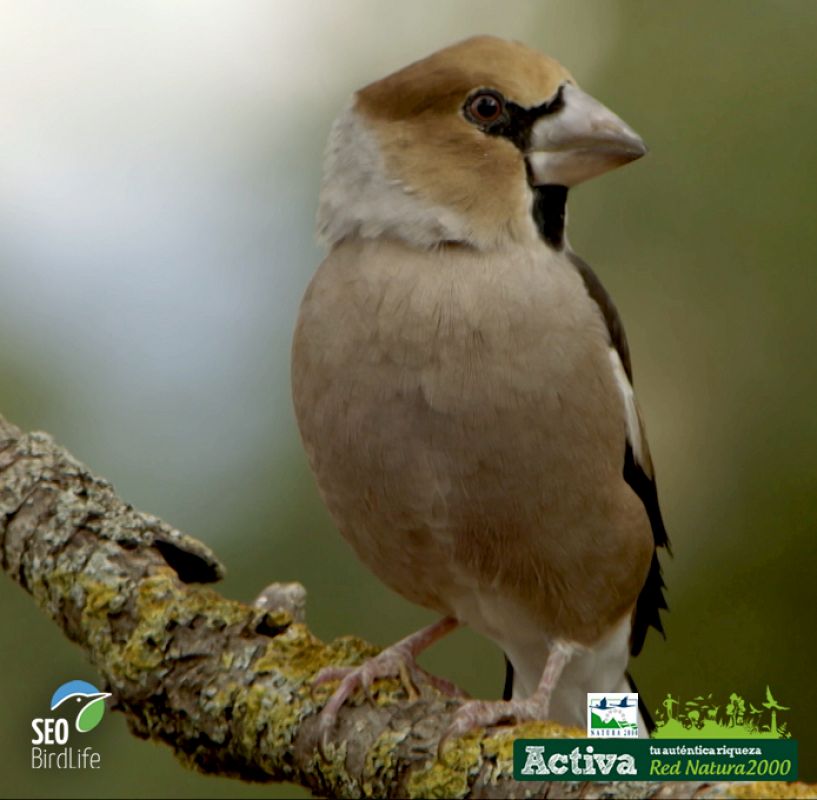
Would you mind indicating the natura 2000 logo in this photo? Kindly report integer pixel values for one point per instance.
(612, 715)
(78, 707)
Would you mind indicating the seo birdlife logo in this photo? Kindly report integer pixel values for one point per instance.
(79, 708)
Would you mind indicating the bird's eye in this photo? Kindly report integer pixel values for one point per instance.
(486, 107)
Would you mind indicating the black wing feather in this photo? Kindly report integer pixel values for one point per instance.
(507, 689)
(651, 601)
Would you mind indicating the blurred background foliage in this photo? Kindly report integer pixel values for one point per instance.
(159, 169)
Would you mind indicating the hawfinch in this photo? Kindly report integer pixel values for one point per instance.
(462, 381)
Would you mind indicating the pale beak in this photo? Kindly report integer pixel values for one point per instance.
(579, 141)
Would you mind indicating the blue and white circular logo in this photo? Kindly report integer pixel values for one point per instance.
(85, 699)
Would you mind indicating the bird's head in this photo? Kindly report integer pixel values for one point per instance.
(453, 148)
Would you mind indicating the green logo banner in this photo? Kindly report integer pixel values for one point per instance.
(654, 759)
(725, 717)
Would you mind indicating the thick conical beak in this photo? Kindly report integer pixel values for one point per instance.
(579, 141)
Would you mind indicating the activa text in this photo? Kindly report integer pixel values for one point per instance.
(578, 763)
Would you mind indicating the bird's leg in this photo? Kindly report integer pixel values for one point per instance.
(397, 660)
(486, 713)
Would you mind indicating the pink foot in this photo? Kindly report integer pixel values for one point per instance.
(399, 660)
(487, 713)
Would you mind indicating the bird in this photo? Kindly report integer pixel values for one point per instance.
(85, 699)
(463, 385)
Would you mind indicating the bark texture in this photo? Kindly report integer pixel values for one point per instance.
(226, 685)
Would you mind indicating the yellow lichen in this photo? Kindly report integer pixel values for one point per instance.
(98, 596)
(449, 779)
(773, 790)
(380, 763)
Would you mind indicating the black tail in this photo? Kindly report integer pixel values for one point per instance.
(507, 691)
(642, 706)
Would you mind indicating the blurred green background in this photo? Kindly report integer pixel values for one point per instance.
(159, 171)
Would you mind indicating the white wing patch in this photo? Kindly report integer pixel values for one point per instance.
(630, 408)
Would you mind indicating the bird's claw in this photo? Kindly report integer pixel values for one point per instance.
(396, 661)
(487, 714)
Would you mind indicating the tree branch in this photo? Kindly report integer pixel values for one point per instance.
(227, 685)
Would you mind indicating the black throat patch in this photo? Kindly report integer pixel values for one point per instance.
(515, 124)
(549, 204)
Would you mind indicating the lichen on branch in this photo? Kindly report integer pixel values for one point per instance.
(228, 686)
